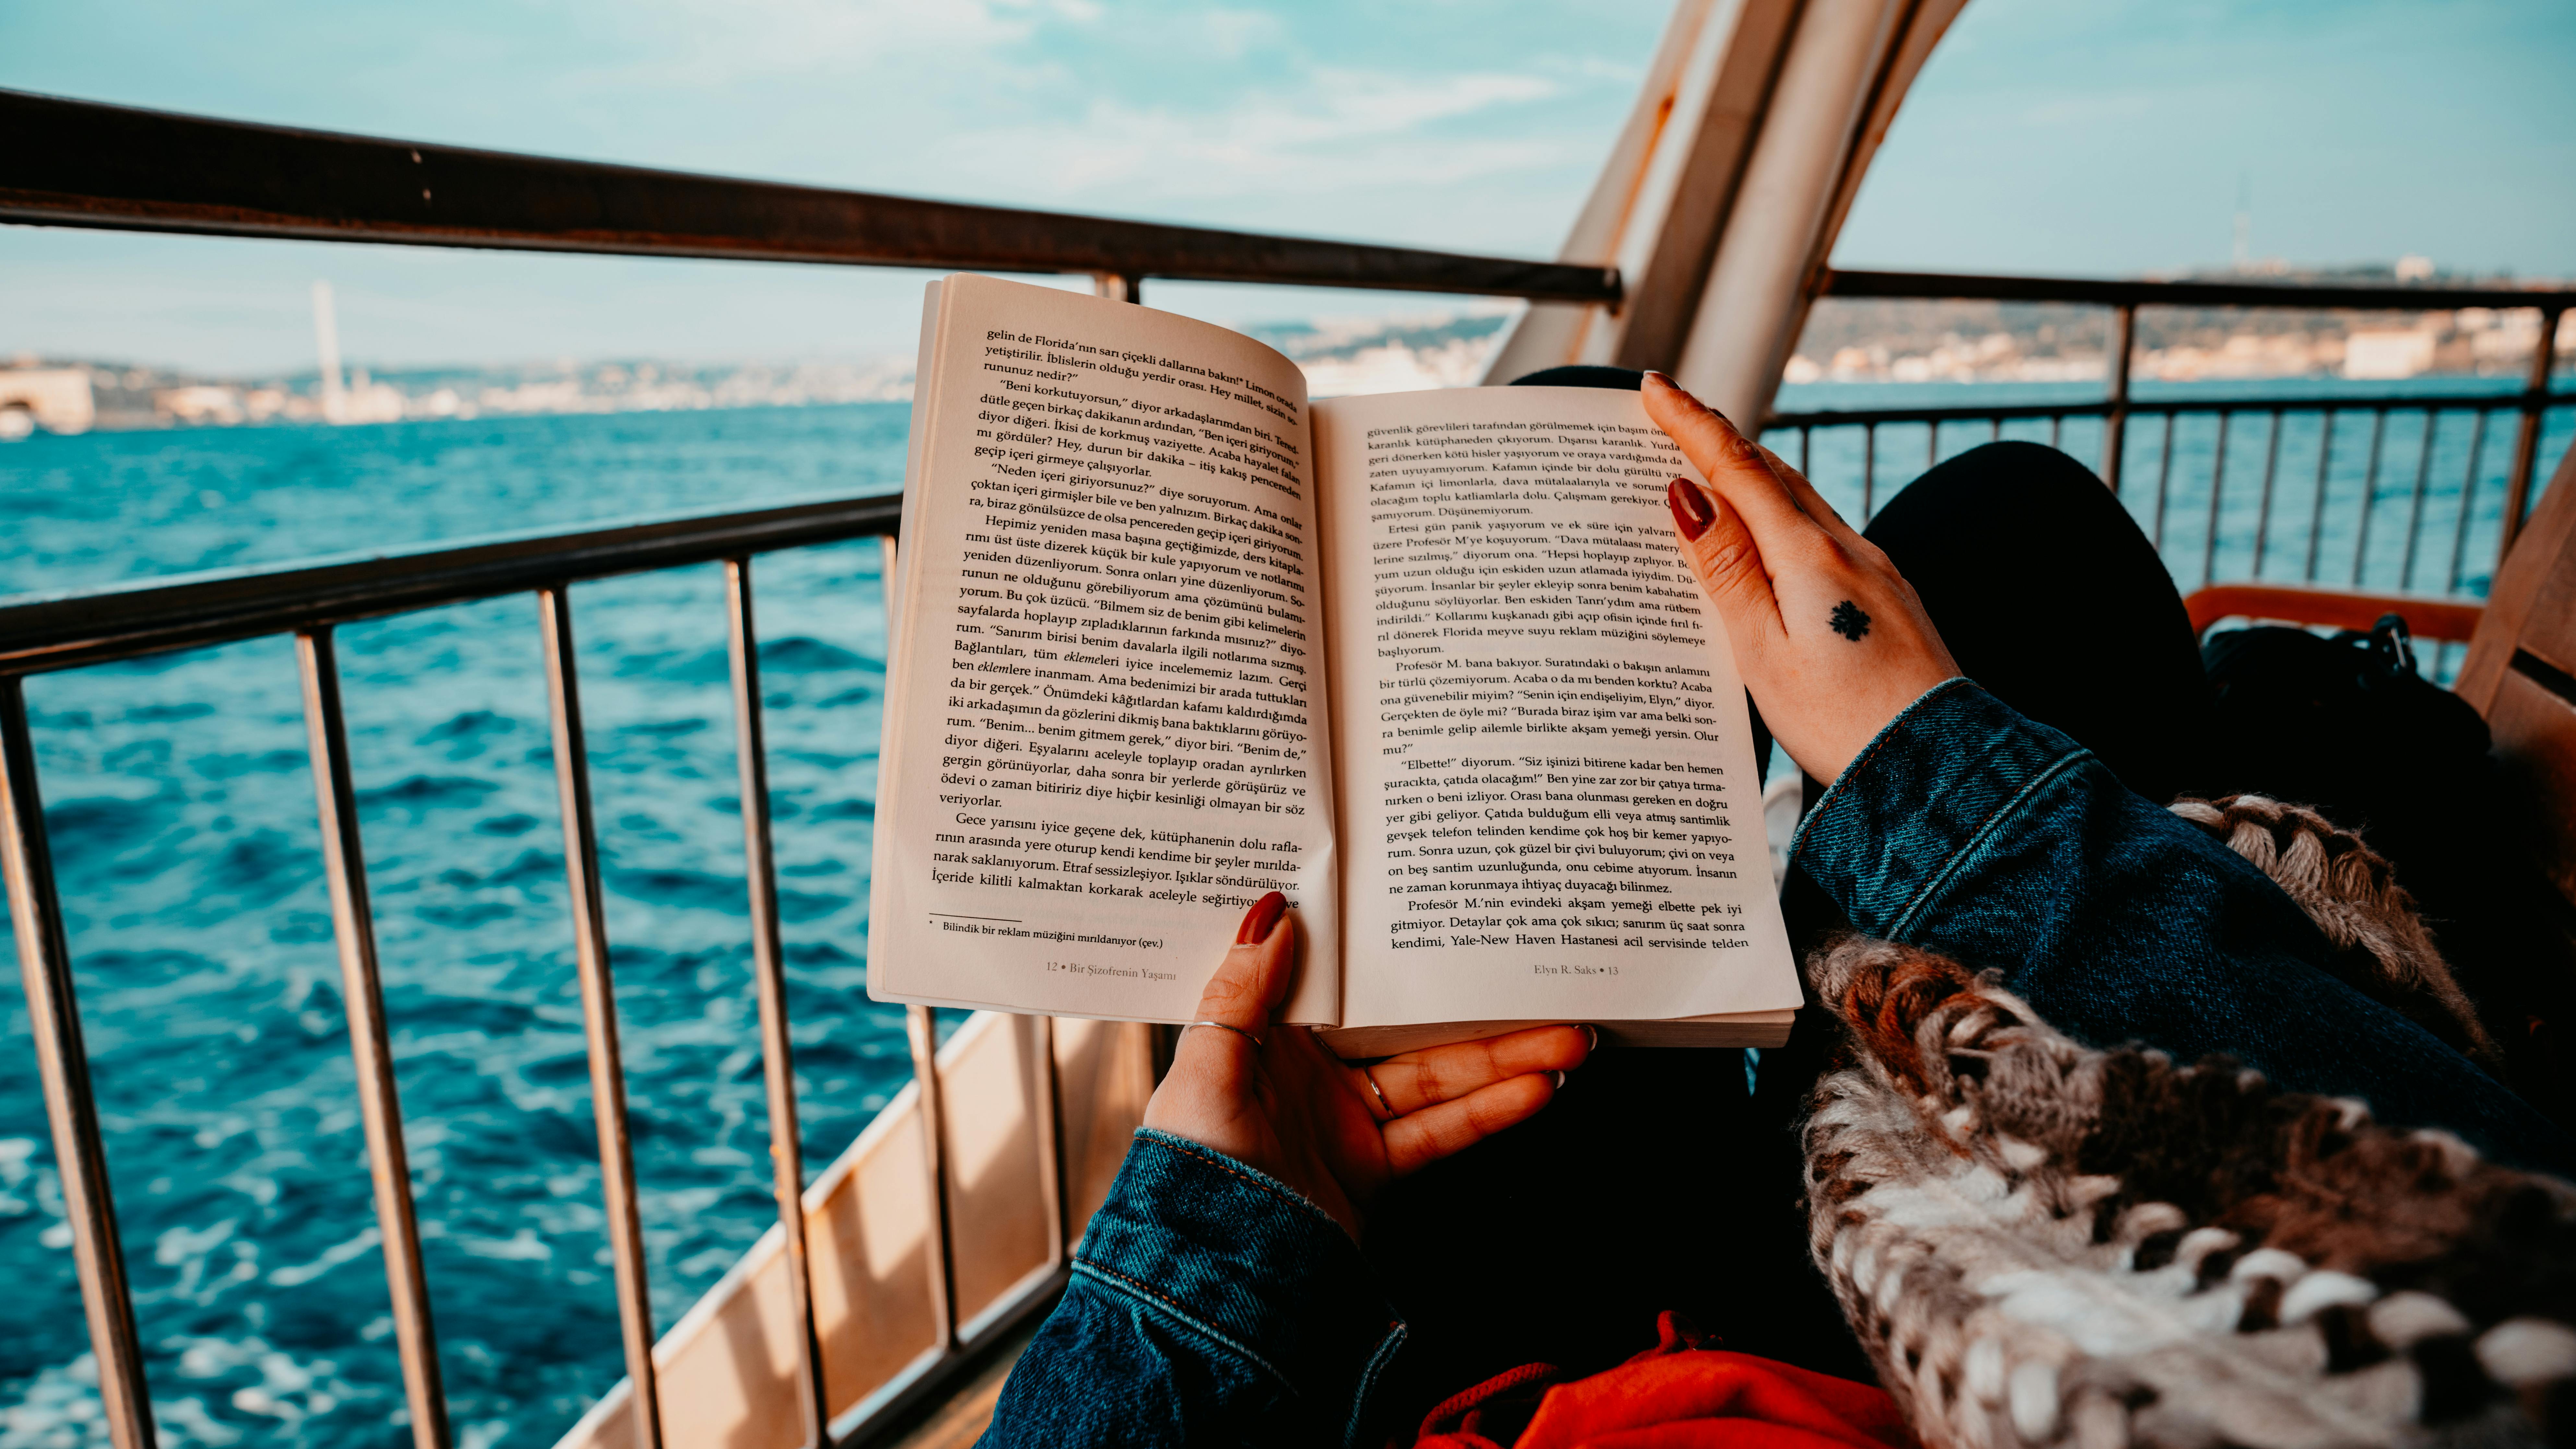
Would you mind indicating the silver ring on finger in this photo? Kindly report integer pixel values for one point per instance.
(1370, 1077)
(1238, 1031)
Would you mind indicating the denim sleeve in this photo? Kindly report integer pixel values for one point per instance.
(1210, 1304)
(1970, 830)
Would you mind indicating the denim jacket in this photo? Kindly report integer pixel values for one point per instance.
(1211, 1304)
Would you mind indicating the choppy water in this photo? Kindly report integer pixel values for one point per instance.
(182, 818)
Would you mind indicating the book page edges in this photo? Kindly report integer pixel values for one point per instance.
(1358, 1043)
(1725, 1029)
(898, 663)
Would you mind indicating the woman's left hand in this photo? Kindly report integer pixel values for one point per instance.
(1293, 1110)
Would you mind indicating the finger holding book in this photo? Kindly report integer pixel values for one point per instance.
(1828, 636)
(1273, 1097)
(1414, 1080)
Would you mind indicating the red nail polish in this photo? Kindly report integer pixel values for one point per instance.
(1691, 510)
(1261, 919)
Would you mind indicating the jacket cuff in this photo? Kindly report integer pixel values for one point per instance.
(1933, 791)
(1246, 1263)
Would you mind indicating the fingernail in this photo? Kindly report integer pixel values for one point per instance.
(1560, 1081)
(1258, 922)
(1593, 1032)
(1666, 380)
(1691, 511)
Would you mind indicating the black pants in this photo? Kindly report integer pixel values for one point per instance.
(1659, 1179)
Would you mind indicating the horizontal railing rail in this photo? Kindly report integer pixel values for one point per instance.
(80, 163)
(2192, 292)
(2156, 407)
(98, 626)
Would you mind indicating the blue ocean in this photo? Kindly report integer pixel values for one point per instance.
(182, 819)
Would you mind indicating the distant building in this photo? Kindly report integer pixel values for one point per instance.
(2388, 354)
(201, 403)
(56, 399)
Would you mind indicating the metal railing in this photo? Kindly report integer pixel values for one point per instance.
(2115, 410)
(86, 165)
(79, 164)
(311, 601)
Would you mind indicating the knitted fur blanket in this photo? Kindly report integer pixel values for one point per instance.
(2044, 1243)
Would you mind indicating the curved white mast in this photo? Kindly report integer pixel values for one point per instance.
(1722, 197)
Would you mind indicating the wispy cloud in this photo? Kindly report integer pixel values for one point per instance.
(1342, 129)
(1471, 126)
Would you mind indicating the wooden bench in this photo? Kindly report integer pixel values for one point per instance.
(2521, 671)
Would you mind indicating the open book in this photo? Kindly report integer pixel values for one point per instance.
(1165, 638)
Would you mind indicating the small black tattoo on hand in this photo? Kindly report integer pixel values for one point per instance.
(1849, 621)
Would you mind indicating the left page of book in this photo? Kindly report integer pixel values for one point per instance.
(1106, 732)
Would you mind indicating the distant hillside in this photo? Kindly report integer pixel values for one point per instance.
(1846, 340)
(1389, 354)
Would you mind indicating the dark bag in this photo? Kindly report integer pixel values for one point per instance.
(2346, 725)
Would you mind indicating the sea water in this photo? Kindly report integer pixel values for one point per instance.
(182, 818)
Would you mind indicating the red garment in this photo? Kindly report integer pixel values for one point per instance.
(1675, 1395)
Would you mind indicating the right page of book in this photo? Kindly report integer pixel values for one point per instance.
(1547, 790)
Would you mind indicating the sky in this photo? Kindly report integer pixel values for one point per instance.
(2109, 137)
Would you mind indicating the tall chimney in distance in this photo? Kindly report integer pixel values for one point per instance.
(326, 339)
(2244, 248)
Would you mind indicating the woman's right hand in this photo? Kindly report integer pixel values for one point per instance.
(1828, 636)
(1269, 1094)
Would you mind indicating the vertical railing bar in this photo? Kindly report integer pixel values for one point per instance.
(344, 860)
(2468, 499)
(2415, 508)
(923, 1029)
(2115, 424)
(1995, 429)
(1050, 1135)
(62, 1064)
(1868, 470)
(1805, 437)
(2057, 430)
(1931, 445)
(2164, 480)
(2526, 441)
(2263, 511)
(1118, 286)
(2317, 508)
(2217, 486)
(599, 1014)
(2369, 493)
(886, 577)
(769, 972)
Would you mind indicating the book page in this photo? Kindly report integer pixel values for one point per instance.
(1548, 801)
(1106, 721)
